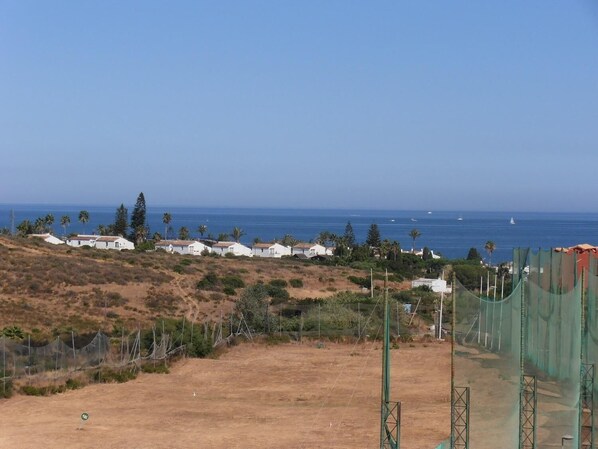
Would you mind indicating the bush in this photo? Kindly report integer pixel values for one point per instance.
(73, 384)
(209, 282)
(6, 388)
(229, 291)
(296, 283)
(30, 390)
(155, 369)
(277, 293)
(278, 283)
(108, 376)
(233, 282)
(274, 339)
(362, 282)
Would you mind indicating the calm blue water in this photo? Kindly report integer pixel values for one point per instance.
(440, 231)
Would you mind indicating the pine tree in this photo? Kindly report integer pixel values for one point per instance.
(139, 230)
(373, 239)
(349, 236)
(120, 221)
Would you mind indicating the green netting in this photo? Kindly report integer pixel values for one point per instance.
(553, 354)
(590, 342)
(334, 319)
(493, 348)
(487, 360)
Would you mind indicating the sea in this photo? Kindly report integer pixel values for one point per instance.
(448, 233)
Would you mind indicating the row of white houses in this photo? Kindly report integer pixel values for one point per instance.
(196, 248)
(271, 250)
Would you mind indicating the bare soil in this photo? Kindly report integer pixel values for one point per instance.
(52, 289)
(253, 396)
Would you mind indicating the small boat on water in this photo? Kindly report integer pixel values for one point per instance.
(413, 219)
(460, 218)
(512, 221)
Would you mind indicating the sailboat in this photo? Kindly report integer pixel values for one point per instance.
(512, 220)
(390, 412)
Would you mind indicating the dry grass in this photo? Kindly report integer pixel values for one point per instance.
(56, 288)
(254, 396)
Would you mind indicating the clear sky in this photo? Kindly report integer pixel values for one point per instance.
(463, 105)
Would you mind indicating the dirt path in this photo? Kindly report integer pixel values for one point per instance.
(290, 396)
(193, 310)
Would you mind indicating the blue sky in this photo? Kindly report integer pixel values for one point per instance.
(339, 104)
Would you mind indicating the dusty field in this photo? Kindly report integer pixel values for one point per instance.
(289, 396)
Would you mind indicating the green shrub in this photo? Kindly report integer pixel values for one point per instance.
(155, 369)
(277, 293)
(108, 375)
(296, 283)
(73, 384)
(278, 283)
(274, 339)
(362, 282)
(229, 291)
(208, 282)
(233, 281)
(30, 390)
(6, 388)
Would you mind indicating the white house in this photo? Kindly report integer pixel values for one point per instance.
(192, 247)
(421, 254)
(222, 248)
(82, 240)
(113, 242)
(270, 250)
(309, 249)
(436, 285)
(48, 238)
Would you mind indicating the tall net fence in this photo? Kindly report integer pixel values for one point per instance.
(325, 320)
(486, 359)
(545, 330)
(66, 355)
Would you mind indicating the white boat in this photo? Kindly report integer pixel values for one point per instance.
(512, 220)
(413, 219)
(460, 218)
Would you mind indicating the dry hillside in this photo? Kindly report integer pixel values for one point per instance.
(46, 288)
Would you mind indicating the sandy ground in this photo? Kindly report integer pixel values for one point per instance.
(254, 396)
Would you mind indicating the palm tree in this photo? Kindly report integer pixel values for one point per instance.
(184, 233)
(395, 249)
(65, 221)
(140, 234)
(166, 219)
(49, 220)
(237, 233)
(490, 246)
(414, 234)
(84, 218)
(202, 229)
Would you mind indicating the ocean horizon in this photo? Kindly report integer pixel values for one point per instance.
(450, 233)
